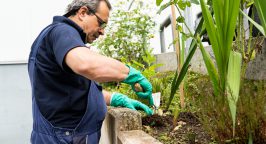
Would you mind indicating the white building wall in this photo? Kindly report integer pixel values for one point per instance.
(21, 23)
(155, 42)
(15, 105)
(23, 20)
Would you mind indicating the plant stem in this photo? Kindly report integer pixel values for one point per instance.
(238, 40)
(242, 28)
(190, 32)
(251, 29)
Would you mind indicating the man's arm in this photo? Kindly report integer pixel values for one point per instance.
(100, 68)
(118, 99)
(107, 97)
(94, 66)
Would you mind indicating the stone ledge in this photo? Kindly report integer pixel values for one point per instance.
(117, 120)
(126, 119)
(123, 126)
(136, 137)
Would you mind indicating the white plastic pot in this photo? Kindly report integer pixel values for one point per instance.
(156, 99)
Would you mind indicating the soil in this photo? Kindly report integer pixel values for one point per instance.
(188, 129)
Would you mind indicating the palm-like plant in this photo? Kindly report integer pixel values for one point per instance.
(220, 29)
(261, 8)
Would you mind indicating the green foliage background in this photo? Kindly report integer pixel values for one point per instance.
(128, 33)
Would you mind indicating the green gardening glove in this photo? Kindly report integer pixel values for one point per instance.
(134, 76)
(119, 99)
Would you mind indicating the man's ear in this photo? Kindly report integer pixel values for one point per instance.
(82, 12)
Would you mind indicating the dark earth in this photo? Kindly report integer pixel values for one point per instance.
(188, 129)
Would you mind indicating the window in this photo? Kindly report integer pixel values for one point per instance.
(166, 36)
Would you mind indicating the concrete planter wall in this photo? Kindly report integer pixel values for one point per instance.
(123, 126)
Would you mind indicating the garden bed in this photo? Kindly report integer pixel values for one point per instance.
(188, 129)
(213, 122)
(214, 116)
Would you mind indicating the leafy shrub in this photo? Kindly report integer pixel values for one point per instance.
(128, 34)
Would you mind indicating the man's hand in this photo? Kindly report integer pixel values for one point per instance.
(134, 77)
(119, 99)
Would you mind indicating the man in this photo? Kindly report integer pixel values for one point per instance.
(68, 106)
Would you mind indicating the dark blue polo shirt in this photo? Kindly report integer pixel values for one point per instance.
(60, 94)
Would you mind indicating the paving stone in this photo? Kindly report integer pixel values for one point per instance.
(136, 137)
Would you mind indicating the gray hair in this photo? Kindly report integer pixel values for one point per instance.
(93, 4)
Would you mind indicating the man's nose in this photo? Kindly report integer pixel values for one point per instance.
(101, 31)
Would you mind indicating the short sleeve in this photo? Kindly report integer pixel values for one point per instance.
(63, 39)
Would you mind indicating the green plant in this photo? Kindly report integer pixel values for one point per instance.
(127, 39)
(225, 83)
(220, 29)
(215, 115)
(184, 63)
(226, 78)
(156, 85)
(147, 69)
(252, 46)
(180, 74)
(128, 34)
(179, 77)
(259, 27)
(261, 7)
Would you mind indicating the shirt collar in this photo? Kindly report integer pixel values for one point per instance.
(62, 19)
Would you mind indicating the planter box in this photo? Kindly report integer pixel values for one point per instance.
(122, 125)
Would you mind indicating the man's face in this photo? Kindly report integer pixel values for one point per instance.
(93, 24)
